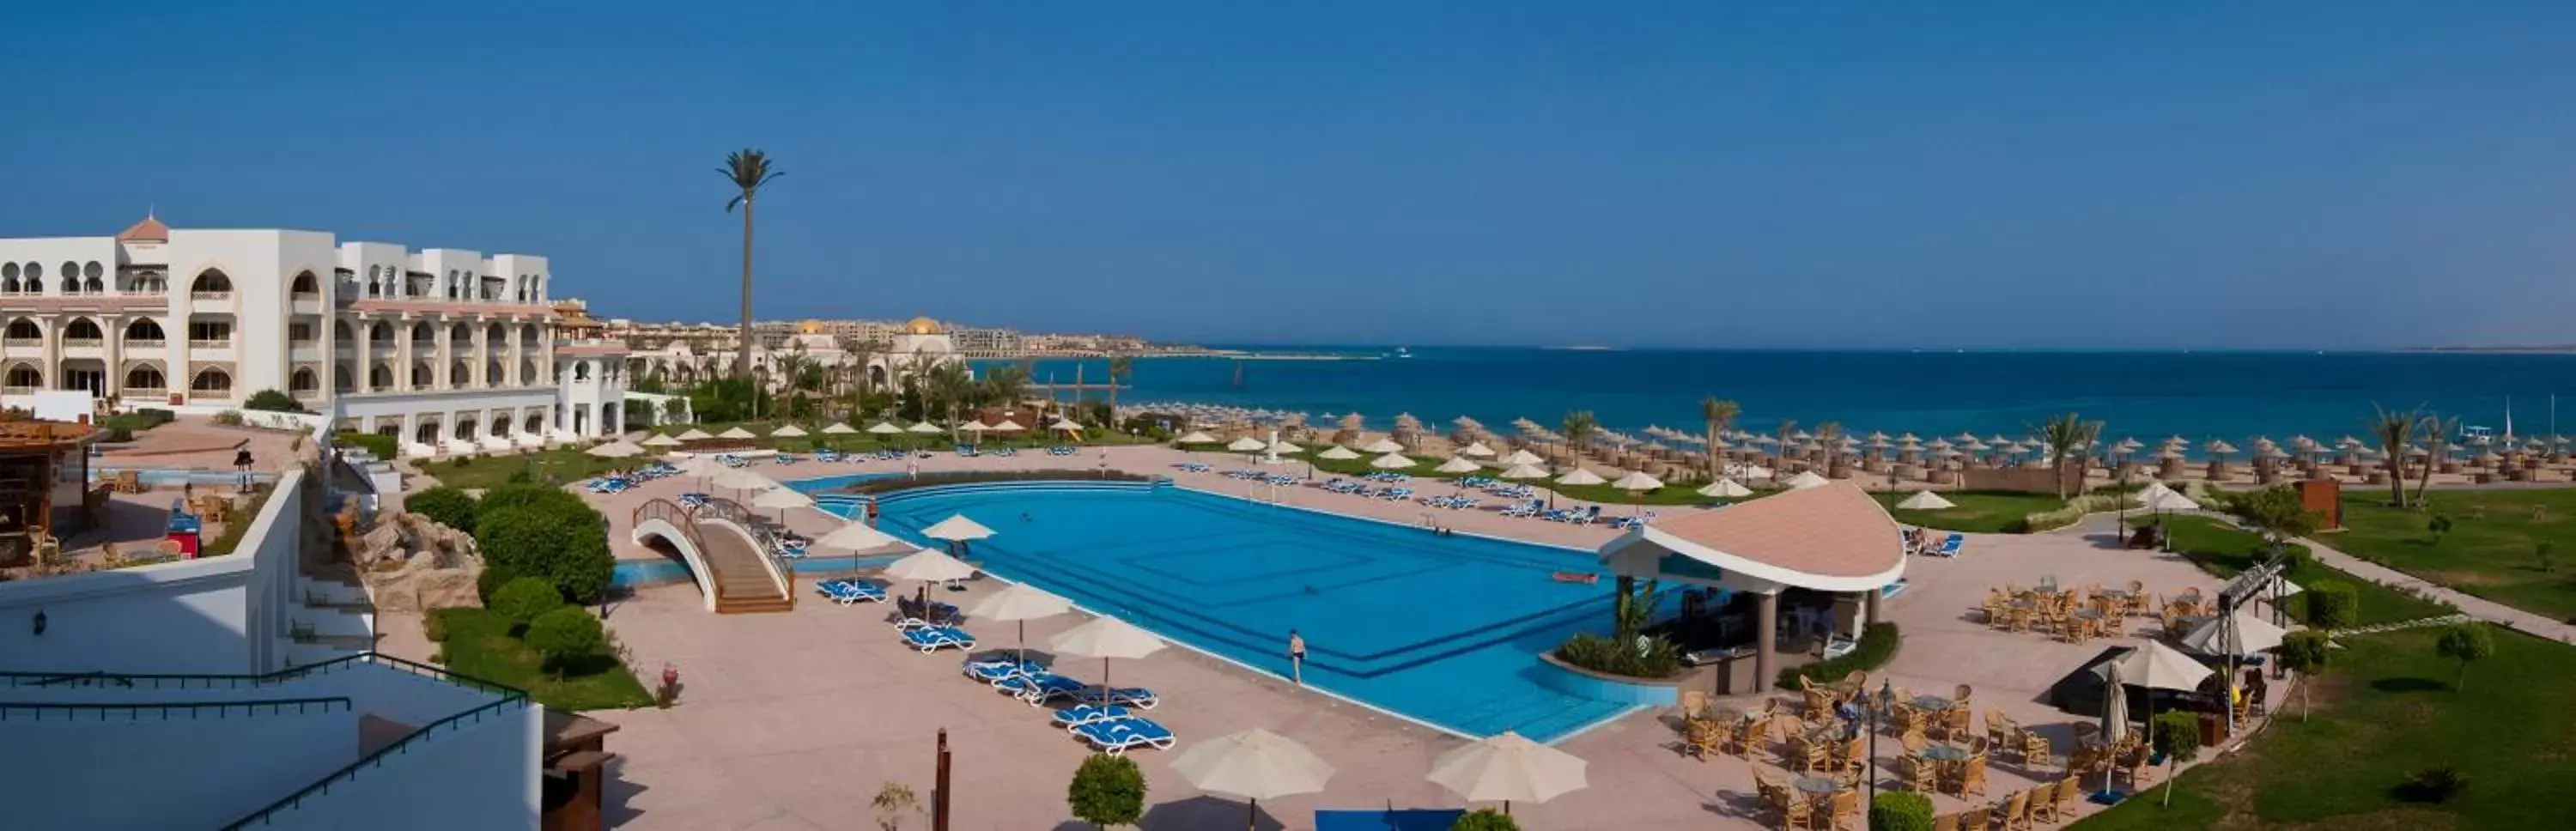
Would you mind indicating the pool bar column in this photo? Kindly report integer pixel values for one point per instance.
(1766, 633)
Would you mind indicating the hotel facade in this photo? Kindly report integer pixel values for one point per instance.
(450, 350)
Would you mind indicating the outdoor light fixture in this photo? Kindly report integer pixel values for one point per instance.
(40, 622)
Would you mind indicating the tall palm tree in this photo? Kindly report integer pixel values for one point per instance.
(1717, 413)
(949, 384)
(2437, 432)
(2393, 429)
(1120, 366)
(1007, 384)
(1780, 458)
(750, 171)
(2066, 435)
(1577, 426)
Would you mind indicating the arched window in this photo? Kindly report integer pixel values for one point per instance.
(380, 377)
(497, 337)
(211, 381)
(501, 426)
(151, 282)
(340, 332)
(9, 278)
(304, 284)
(92, 285)
(211, 282)
(423, 335)
(421, 376)
(345, 380)
(460, 337)
(492, 374)
(144, 377)
(536, 424)
(528, 336)
(71, 275)
(82, 328)
(581, 370)
(144, 329)
(35, 283)
(451, 284)
(427, 433)
(24, 329)
(24, 375)
(527, 372)
(303, 381)
(459, 375)
(381, 333)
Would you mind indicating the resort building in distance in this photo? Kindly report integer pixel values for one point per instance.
(451, 350)
(685, 351)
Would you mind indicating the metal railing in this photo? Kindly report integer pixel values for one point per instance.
(401, 746)
(780, 572)
(145, 343)
(167, 711)
(210, 295)
(215, 681)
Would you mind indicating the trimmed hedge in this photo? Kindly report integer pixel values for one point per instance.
(382, 447)
(1900, 811)
(1878, 642)
(444, 505)
(1485, 819)
(540, 532)
(523, 599)
(1615, 656)
(2333, 604)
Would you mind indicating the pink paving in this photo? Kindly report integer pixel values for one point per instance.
(794, 720)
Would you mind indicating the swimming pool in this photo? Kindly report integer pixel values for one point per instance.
(1443, 630)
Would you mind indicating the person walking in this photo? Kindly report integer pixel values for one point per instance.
(1296, 657)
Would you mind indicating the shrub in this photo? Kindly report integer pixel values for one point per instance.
(2435, 785)
(489, 583)
(2177, 736)
(2467, 643)
(118, 434)
(229, 418)
(2333, 604)
(1900, 811)
(521, 495)
(444, 505)
(524, 599)
(1107, 790)
(1878, 643)
(563, 634)
(1485, 819)
(1656, 658)
(564, 544)
(382, 447)
(434, 626)
(272, 400)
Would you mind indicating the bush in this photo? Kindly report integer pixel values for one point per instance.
(444, 505)
(1486, 819)
(1656, 659)
(272, 400)
(563, 634)
(524, 599)
(434, 626)
(1900, 811)
(382, 447)
(2435, 785)
(564, 544)
(525, 494)
(117, 435)
(2333, 604)
(1878, 643)
(489, 583)
(1107, 790)
(229, 418)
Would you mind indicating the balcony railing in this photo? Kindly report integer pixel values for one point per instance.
(145, 343)
(139, 393)
(83, 343)
(22, 343)
(160, 292)
(210, 343)
(215, 296)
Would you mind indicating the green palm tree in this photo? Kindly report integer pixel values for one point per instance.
(950, 385)
(2066, 435)
(1120, 366)
(1006, 384)
(2437, 432)
(1577, 426)
(750, 171)
(1780, 458)
(1717, 413)
(2394, 429)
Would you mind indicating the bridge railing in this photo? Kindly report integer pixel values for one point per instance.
(780, 571)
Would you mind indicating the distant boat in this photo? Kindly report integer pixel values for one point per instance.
(1401, 353)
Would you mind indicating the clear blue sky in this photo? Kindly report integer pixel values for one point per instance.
(2344, 174)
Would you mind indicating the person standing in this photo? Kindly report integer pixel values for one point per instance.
(242, 463)
(1296, 658)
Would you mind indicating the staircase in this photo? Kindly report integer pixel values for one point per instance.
(742, 582)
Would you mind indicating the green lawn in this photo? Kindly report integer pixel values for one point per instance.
(1985, 511)
(561, 464)
(2224, 550)
(479, 644)
(2491, 551)
(2394, 711)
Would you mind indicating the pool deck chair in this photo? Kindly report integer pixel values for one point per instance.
(1410, 819)
(1037, 690)
(994, 671)
(1115, 737)
(935, 638)
(1138, 697)
(1950, 546)
(1088, 714)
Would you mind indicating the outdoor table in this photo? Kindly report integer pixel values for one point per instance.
(2115, 594)
(1930, 702)
(1945, 753)
(2089, 614)
(2048, 585)
(1817, 786)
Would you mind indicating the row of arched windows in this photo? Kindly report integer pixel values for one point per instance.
(388, 281)
(424, 375)
(213, 380)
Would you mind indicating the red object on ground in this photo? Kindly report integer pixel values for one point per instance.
(187, 541)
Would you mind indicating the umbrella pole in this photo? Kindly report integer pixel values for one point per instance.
(1252, 815)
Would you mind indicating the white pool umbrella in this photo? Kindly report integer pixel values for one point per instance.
(618, 449)
(1282, 447)
(1020, 603)
(1523, 471)
(782, 498)
(1476, 450)
(854, 536)
(2253, 634)
(1925, 500)
(1105, 638)
(923, 428)
(1391, 461)
(1637, 480)
(1008, 426)
(1460, 464)
(957, 528)
(2151, 491)
(1806, 479)
(788, 432)
(929, 566)
(1196, 437)
(695, 434)
(736, 433)
(1725, 489)
(1255, 764)
(841, 428)
(1065, 424)
(1523, 457)
(1508, 768)
(884, 428)
(1580, 477)
(743, 479)
(1382, 446)
(2172, 501)
(973, 426)
(1337, 452)
(1246, 444)
(659, 440)
(2115, 714)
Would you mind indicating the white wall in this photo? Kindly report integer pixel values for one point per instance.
(482, 776)
(72, 770)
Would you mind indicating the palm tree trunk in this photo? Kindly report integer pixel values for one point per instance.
(2396, 473)
(742, 358)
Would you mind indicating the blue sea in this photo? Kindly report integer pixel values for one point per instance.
(2149, 395)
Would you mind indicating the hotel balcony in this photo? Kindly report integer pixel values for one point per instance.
(216, 343)
(145, 343)
(144, 393)
(210, 296)
(23, 343)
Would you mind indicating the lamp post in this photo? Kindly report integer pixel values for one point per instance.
(1886, 700)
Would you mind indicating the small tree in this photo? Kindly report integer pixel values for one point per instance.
(2540, 553)
(2466, 643)
(444, 505)
(2440, 525)
(893, 803)
(1107, 790)
(1487, 819)
(2304, 652)
(272, 400)
(523, 599)
(1900, 811)
(2276, 512)
(2332, 604)
(566, 633)
(2177, 736)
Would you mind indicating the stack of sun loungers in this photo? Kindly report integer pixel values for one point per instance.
(693, 499)
(1574, 516)
(1525, 509)
(1006, 452)
(1451, 502)
(1194, 467)
(827, 455)
(1638, 521)
(788, 458)
(1385, 476)
(730, 460)
(1059, 450)
(850, 590)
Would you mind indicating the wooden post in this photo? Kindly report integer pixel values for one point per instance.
(939, 791)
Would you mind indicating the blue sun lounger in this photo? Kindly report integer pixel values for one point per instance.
(992, 671)
(1130, 696)
(1950, 546)
(846, 592)
(1115, 737)
(1039, 688)
(1088, 714)
(933, 639)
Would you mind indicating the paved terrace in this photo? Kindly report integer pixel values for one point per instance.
(794, 720)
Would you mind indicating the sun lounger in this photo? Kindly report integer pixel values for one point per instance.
(1039, 688)
(934, 638)
(1087, 714)
(1950, 546)
(991, 671)
(1115, 737)
(846, 592)
(1137, 697)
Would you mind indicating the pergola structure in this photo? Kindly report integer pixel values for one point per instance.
(44, 465)
(1830, 538)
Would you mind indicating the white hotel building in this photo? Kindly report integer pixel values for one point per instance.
(451, 350)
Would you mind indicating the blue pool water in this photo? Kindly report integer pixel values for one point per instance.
(1445, 630)
(631, 573)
